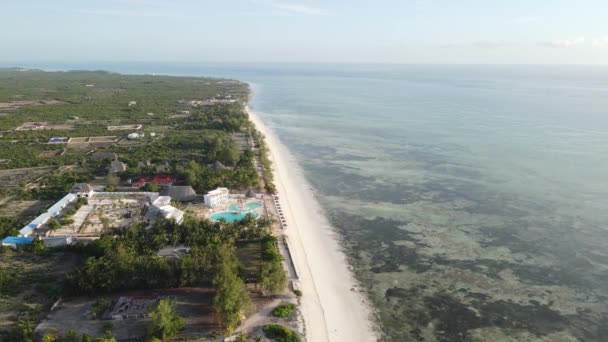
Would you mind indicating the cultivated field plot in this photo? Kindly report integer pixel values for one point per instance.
(22, 208)
(182, 115)
(193, 303)
(49, 154)
(13, 178)
(103, 139)
(108, 139)
(33, 126)
(125, 127)
(19, 104)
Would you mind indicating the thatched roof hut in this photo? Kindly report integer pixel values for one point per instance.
(219, 166)
(180, 193)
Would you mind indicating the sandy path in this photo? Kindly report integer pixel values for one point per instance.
(332, 312)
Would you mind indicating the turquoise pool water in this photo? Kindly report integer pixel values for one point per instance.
(250, 206)
(236, 214)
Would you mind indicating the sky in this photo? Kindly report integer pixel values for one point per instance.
(315, 31)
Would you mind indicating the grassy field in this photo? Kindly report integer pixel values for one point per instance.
(250, 256)
(34, 284)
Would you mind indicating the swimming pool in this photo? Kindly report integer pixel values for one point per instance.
(231, 216)
(236, 214)
(250, 206)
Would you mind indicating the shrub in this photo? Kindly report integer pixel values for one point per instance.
(284, 310)
(166, 322)
(99, 307)
(298, 293)
(280, 333)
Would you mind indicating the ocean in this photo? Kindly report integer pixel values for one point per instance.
(472, 200)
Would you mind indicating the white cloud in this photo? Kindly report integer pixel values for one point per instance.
(578, 42)
(600, 41)
(566, 43)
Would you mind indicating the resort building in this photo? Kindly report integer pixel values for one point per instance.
(83, 190)
(217, 197)
(53, 211)
(160, 180)
(161, 207)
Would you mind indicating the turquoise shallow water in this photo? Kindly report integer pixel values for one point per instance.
(472, 200)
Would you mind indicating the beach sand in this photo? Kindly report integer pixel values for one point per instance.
(332, 311)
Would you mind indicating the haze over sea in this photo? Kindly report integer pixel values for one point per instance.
(473, 200)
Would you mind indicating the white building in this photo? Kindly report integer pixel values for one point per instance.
(57, 241)
(216, 197)
(161, 206)
(83, 190)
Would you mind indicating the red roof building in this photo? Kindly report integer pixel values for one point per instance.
(162, 180)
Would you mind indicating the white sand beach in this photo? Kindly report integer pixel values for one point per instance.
(331, 310)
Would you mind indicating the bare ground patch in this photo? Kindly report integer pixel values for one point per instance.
(12, 178)
(13, 105)
(22, 208)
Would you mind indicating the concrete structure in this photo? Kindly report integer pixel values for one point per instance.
(53, 211)
(132, 307)
(57, 241)
(217, 197)
(35, 224)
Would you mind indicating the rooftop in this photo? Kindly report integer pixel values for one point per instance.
(218, 191)
(17, 240)
(157, 179)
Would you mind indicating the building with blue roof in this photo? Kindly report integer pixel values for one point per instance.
(14, 241)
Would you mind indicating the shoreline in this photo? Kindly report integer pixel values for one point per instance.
(331, 310)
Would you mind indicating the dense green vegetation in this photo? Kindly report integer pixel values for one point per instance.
(166, 322)
(280, 333)
(187, 142)
(126, 258)
(284, 310)
(8, 226)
